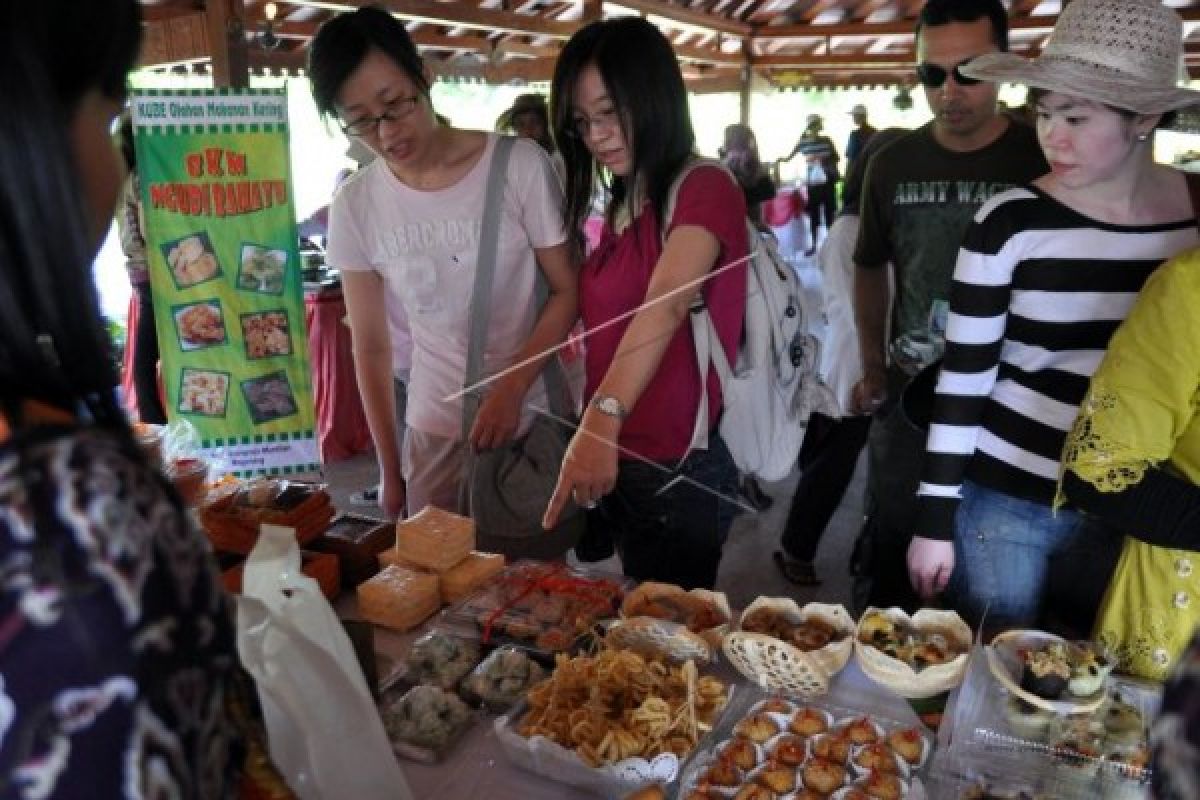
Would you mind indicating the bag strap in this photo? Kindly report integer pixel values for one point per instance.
(704, 331)
(1193, 185)
(485, 271)
(481, 296)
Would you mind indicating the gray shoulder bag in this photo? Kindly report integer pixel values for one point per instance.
(506, 490)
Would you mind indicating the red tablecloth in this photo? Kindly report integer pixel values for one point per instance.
(341, 424)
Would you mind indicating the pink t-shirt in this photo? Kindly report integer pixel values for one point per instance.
(424, 245)
(614, 281)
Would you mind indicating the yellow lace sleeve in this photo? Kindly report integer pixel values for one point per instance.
(1144, 393)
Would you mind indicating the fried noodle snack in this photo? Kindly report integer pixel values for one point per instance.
(618, 704)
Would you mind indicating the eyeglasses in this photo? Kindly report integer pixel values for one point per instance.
(393, 110)
(582, 125)
(931, 76)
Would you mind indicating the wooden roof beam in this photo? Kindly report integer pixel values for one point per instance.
(455, 15)
(687, 16)
(868, 29)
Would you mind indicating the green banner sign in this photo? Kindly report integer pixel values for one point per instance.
(226, 274)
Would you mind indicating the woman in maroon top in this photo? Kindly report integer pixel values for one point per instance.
(621, 115)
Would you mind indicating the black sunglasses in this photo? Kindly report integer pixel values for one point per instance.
(931, 76)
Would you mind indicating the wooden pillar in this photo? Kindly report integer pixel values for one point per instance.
(747, 78)
(592, 11)
(227, 40)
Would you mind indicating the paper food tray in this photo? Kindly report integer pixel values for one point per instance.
(899, 676)
(549, 759)
(752, 700)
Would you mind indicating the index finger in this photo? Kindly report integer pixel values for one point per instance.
(562, 492)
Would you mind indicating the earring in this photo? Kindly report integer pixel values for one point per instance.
(1143, 137)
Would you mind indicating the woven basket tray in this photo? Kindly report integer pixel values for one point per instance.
(656, 637)
(778, 666)
(902, 679)
(650, 591)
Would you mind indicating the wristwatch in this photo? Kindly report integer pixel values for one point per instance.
(610, 406)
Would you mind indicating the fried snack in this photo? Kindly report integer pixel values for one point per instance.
(618, 704)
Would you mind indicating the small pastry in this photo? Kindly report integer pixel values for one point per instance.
(854, 793)
(548, 609)
(883, 785)
(779, 779)
(824, 776)
(808, 794)
(1026, 721)
(723, 772)
(812, 634)
(1123, 721)
(908, 743)
(776, 705)
(1046, 670)
(832, 747)
(1131, 761)
(757, 728)
(1088, 671)
(808, 722)
(759, 621)
(790, 750)
(522, 628)
(862, 731)
(753, 791)
(929, 654)
(876, 628)
(741, 752)
(877, 756)
(554, 639)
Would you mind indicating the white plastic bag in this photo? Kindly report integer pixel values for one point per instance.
(323, 730)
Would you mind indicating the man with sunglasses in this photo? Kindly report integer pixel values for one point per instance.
(921, 193)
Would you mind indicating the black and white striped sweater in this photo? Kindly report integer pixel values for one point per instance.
(1038, 291)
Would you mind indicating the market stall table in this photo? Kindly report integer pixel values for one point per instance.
(476, 767)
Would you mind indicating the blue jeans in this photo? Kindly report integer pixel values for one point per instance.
(672, 534)
(1002, 551)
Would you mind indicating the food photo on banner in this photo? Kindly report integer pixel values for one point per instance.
(225, 272)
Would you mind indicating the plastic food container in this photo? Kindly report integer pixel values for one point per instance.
(189, 476)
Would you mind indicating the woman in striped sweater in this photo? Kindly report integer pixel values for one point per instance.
(1045, 275)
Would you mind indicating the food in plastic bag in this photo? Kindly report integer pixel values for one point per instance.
(425, 722)
(503, 678)
(469, 574)
(439, 659)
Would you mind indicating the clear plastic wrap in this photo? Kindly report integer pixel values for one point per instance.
(424, 723)
(546, 607)
(821, 746)
(996, 736)
(439, 659)
(501, 680)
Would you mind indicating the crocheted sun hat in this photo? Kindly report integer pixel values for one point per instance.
(1124, 53)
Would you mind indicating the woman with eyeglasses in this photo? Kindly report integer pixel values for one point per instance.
(620, 115)
(116, 639)
(405, 234)
(1044, 277)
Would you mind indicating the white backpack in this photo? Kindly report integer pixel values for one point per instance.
(774, 386)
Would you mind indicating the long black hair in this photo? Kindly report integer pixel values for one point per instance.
(343, 42)
(53, 345)
(643, 80)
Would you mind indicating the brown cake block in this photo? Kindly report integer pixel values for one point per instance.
(357, 542)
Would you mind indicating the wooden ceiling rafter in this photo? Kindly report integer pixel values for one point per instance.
(829, 41)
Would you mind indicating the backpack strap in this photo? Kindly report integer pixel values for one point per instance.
(704, 332)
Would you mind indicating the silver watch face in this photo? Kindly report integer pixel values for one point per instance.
(609, 405)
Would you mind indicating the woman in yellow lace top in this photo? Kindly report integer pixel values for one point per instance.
(1133, 459)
